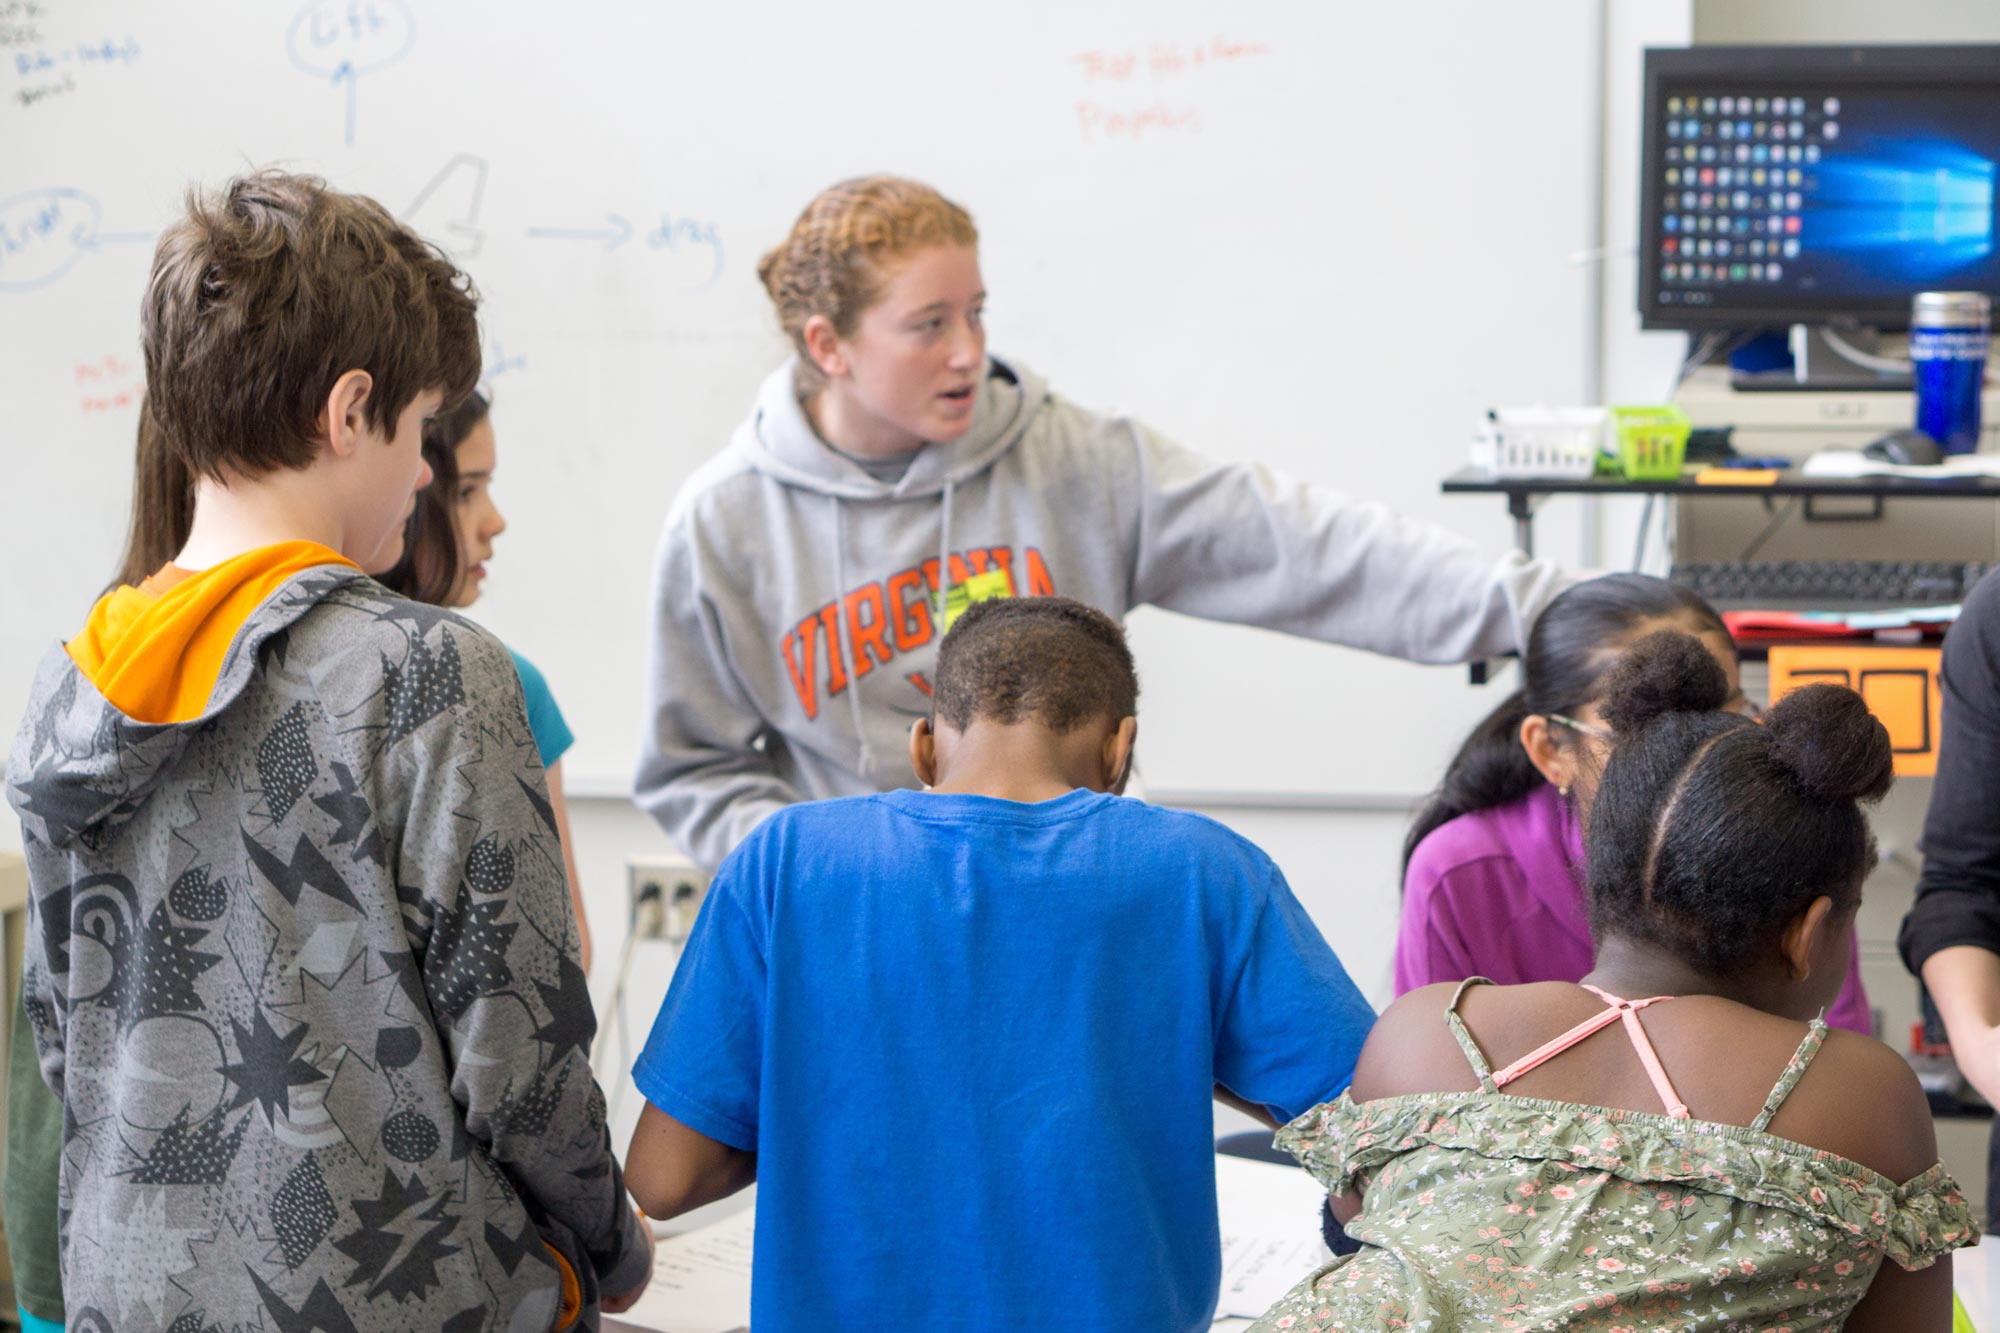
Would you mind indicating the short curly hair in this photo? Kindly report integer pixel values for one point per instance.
(1048, 660)
(266, 292)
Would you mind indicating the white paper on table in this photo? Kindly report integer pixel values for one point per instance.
(1975, 1275)
(1852, 463)
(1270, 1240)
(701, 1281)
(1270, 1232)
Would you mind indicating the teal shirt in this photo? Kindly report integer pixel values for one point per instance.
(552, 735)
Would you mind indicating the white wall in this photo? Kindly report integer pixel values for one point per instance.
(1727, 22)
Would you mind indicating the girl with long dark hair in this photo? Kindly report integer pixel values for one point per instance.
(1492, 869)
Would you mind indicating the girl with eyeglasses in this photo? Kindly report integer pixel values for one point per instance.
(1493, 867)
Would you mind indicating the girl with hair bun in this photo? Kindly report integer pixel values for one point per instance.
(892, 471)
(1493, 866)
(1677, 1141)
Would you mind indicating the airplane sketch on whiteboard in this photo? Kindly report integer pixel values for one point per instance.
(446, 210)
(341, 40)
(675, 234)
(43, 233)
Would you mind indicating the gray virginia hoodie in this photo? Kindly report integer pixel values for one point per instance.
(794, 620)
(304, 973)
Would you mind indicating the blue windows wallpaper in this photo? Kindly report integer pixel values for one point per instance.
(1798, 196)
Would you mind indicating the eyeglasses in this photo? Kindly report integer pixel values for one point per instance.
(1583, 728)
(1744, 705)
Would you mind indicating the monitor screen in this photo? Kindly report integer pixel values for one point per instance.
(1790, 185)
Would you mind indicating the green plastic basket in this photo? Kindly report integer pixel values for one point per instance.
(1652, 442)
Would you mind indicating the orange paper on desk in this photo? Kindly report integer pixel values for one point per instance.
(1900, 686)
(1737, 476)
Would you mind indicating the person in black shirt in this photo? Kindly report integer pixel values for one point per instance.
(1951, 937)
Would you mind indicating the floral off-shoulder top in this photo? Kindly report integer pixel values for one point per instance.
(1482, 1211)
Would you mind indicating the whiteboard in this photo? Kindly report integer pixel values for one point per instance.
(1324, 236)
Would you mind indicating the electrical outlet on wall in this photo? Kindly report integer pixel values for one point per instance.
(663, 894)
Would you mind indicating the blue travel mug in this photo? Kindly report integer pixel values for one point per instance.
(1948, 338)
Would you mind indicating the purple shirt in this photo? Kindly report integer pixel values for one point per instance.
(1498, 893)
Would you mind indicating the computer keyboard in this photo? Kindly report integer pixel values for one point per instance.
(1832, 585)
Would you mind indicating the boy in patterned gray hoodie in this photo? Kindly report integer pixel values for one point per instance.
(301, 963)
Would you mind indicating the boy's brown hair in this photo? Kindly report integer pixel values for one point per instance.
(162, 504)
(266, 293)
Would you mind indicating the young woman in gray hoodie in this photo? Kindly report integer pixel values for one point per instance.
(893, 471)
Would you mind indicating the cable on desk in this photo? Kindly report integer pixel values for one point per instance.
(1721, 342)
(1789, 508)
(1645, 526)
(1888, 365)
(649, 912)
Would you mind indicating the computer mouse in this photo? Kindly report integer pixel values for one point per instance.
(1905, 448)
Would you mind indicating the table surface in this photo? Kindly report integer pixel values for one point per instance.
(1975, 1275)
(1478, 481)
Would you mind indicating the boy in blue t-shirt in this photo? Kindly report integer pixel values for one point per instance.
(965, 1039)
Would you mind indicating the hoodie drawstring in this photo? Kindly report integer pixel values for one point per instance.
(845, 632)
(944, 552)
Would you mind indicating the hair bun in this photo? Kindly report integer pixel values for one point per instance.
(1667, 671)
(1825, 737)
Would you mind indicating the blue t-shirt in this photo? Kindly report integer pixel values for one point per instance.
(545, 720)
(974, 1044)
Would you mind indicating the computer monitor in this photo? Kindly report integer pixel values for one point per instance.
(1820, 185)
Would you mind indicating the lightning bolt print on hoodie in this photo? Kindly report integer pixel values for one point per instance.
(302, 967)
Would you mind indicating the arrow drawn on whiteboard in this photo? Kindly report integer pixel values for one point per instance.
(619, 232)
(44, 232)
(345, 74)
(344, 39)
(457, 191)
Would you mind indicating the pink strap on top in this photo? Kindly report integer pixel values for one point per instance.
(1642, 1045)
